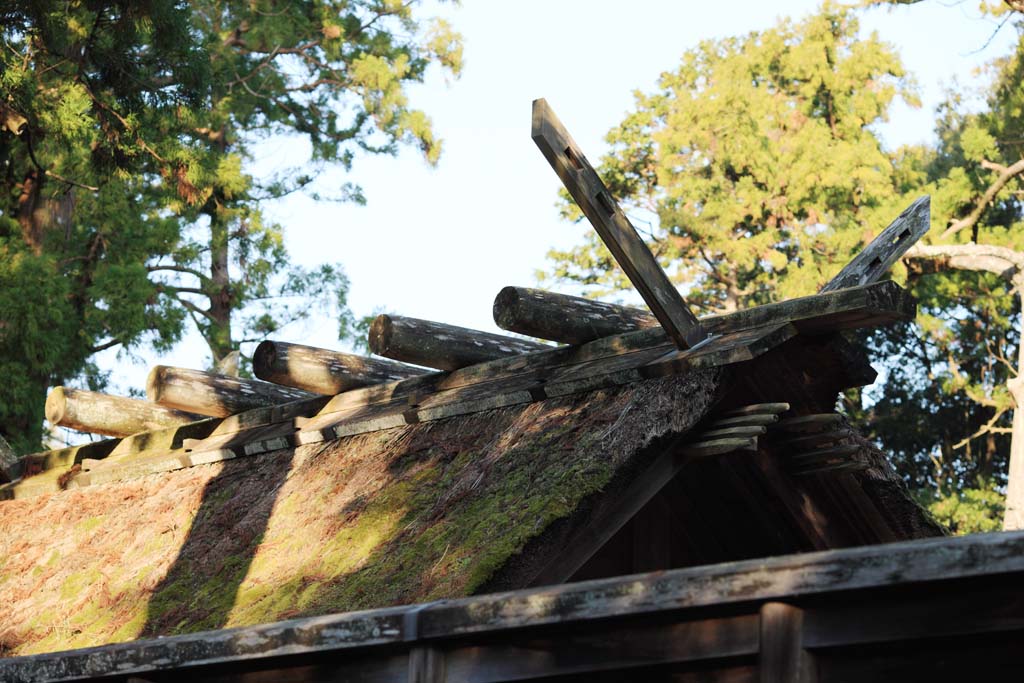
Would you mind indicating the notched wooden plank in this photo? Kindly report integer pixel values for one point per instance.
(871, 264)
(615, 230)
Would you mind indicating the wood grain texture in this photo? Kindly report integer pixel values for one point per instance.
(574, 320)
(564, 318)
(782, 657)
(97, 413)
(440, 346)
(615, 230)
(322, 371)
(216, 395)
(875, 260)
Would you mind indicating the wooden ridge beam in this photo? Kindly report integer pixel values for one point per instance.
(322, 371)
(875, 260)
(574, 320)
(615, 230)
(207, 393)
(440, 346)
(97, 413)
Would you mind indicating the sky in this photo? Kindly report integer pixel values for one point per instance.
(439, 243)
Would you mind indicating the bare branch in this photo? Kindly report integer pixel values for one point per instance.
(105, 345)
(987, 428)
(1002, 261)
(178, 269)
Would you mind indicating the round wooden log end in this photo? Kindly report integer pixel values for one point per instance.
(504, 309)
(154, 382)
(56, 405)
(264, 358)
(380, 334)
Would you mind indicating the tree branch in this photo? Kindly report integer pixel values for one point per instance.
(179, 269)
(1002, 261)
(105, 345)
(1006, 173)
(191, 307)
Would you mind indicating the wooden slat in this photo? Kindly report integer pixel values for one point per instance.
(871, 264)
(621, 238)
(808, 424)
(749, 430)
(711, 447)
(745, 421)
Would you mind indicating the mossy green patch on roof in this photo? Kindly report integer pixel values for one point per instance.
(402, 515)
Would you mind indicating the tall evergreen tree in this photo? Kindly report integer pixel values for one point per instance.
(756, 161)
(125, 130)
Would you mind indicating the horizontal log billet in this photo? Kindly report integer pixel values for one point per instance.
(719, 447)
(323, 371)
(757, 409)
(97, 413)
(539, 313)
(574, 320)
(734, 432)
(445, 347)
(215, 395)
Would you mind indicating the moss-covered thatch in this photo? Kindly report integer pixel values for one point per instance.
(401, 515)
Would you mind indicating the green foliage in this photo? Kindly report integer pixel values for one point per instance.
(945, 412)
(126, 208)
(757, 160)
(978, 509)
(756, 166)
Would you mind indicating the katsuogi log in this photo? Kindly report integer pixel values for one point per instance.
(96, 413)
(323, 371)
(215, 395)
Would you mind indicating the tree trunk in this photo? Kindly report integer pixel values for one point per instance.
(1013, 518)
(218, 335)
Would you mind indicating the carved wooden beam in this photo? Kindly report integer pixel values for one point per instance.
(215, 395)
(445, 347)
(96, 413)
(322, 371)
(618, 234)
(871, 264)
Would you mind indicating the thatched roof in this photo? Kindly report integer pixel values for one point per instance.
(400, 515)
(370, 499)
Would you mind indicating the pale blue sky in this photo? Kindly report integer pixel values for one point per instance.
(439, 243)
